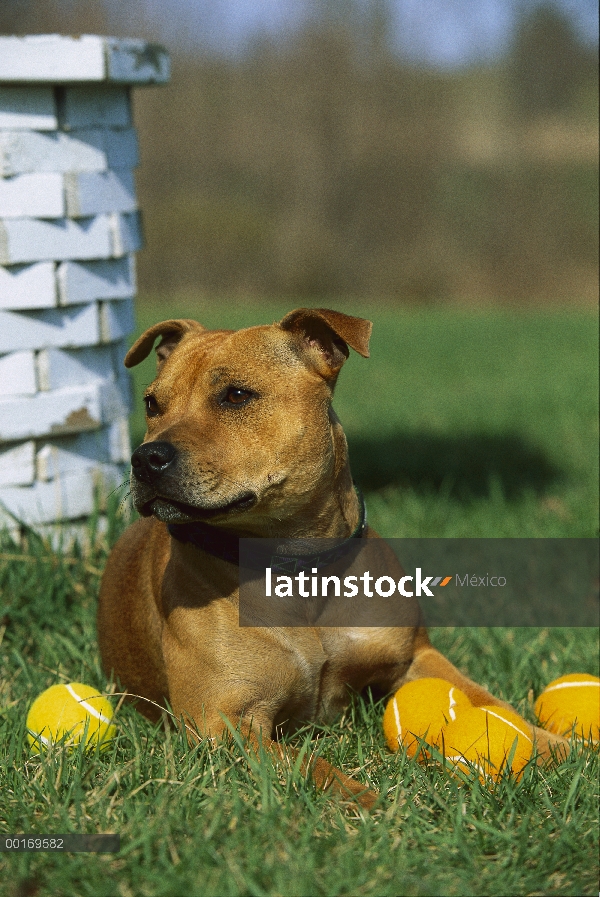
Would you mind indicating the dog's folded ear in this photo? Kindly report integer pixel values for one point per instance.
(326, 335)
(171, 332)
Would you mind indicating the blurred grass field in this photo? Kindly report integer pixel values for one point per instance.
(460, 424)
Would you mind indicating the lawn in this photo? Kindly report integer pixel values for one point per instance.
(460, 424)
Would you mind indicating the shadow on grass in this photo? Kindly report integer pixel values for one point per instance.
(466, 465)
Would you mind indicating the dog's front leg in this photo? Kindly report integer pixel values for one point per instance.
(256, 727)
(325, 776)
(427, 661)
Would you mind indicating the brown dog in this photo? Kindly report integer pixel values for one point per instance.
(242, 437)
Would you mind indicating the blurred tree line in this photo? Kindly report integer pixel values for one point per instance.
(323, 165)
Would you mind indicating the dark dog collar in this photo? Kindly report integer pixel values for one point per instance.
(226, 545)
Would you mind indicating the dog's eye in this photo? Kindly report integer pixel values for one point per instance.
(151, 404)
(237, 396)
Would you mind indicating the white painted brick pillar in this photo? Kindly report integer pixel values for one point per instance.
(69, 228)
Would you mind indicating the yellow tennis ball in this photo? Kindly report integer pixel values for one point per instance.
(572, 700)
(485, 736)
(64, 710)
(421, 709)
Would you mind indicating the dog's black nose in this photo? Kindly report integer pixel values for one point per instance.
(150, 460)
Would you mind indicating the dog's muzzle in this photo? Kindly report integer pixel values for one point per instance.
(150, 461)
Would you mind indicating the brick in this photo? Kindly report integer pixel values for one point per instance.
(63, 411)
(116, 320)
(103, 236)
(91, 149)
(31, 239)
(83, 451)
(17, 465)
(33, 196)
(51, 460)
(136, 62)
(85, 107)
(65, 498)
(60, 368)
(30, 108)
(61, 327)
(96, 192)
(119, 351)
(122, 376)
(51, 57)
(127, 233)
(120, 146)
(104, 279)
(31, 151)
(89, 58)
(17, 374)
(105, 476)
(116, 398)
(119, 441)
(28, 286)
(72, 454)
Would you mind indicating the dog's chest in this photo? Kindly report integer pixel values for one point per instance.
(328, 665)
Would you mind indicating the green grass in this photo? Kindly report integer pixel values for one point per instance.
(460, 425)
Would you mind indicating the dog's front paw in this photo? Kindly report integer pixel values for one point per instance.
(328, 778)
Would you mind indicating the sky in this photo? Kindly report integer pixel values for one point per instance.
(446, 33)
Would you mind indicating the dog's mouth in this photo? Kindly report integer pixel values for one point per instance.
(171, 511)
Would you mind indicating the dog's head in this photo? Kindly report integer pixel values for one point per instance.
(240, 428)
